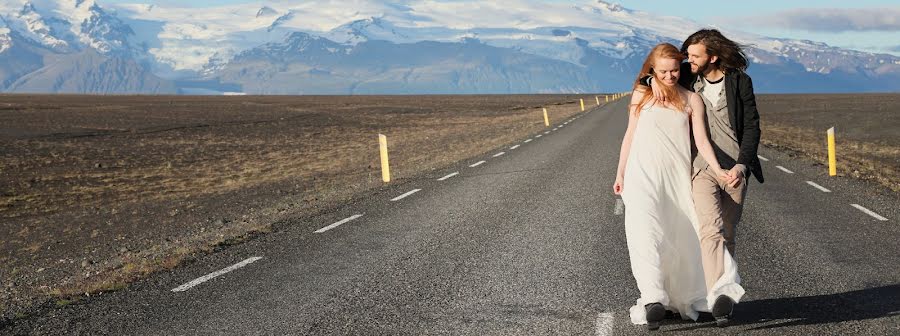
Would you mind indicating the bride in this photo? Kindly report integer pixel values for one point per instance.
(654, 180)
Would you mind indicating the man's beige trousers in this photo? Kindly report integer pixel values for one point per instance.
(719, 208)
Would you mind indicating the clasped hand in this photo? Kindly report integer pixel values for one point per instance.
(731, 177)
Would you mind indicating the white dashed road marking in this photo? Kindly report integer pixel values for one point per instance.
(538, 136)
(499, 154)
(405, 195)
(823, 189)
(332, 226)
(784, 169)
(620, 207)
(762, 158)
(212, 275)
(529, 140)
(448, 176)
(476, 164)
(604, 323)
(869, 212)
(514, 147)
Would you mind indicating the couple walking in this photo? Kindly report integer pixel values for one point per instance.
(683, 202)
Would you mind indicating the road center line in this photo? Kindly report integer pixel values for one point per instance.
(762, 158)
(869, 212)
(476, 164)
(406, 194)
(212, 275)
(514, 147)
(823, 189)
(448, 176)
(529, 140)
(332, 226)
(499, 154)
(604, 323)
(784, 169)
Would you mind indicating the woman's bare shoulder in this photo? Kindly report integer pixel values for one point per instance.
(638, 94)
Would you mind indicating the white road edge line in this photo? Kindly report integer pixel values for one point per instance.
(529, 140)
(762, 158)
(823, 189)
(869, 212)
(448, 176)
(404, 195)
(332, 226)
(514, 147)
(212, 275)
(784, 169)
(620, 207)
(604, 323)
(476, 164)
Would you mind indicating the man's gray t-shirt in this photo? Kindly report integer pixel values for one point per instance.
(721, 136)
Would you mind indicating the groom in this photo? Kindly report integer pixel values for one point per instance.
(715, 70)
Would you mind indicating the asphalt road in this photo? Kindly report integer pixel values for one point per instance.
(526, 243)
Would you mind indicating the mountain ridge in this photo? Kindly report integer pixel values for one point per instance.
(596, 46)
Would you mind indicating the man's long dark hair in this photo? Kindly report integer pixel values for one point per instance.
(730, 55)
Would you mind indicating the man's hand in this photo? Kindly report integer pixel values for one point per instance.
(657, 91)
(735, 176)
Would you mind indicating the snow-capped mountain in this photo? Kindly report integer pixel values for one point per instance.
(373, 46)
(72, 46)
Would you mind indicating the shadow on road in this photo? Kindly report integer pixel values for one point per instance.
(857, 305)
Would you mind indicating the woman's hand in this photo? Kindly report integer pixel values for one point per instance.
(618, 186)
(723, 175)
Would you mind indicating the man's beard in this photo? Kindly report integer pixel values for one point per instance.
(700, 69)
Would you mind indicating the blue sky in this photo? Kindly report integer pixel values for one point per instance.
(854, 24)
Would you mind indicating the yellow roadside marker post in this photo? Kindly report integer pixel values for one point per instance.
(832, 156)
(582, 104)
(385, 166)
(607, 98)
(546, 118)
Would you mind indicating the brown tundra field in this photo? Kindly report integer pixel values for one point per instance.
(97, 191)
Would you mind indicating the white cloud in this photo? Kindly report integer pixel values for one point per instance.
(832, 19)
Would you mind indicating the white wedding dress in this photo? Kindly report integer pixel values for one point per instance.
(660, 221)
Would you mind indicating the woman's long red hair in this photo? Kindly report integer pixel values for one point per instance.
(660, 51)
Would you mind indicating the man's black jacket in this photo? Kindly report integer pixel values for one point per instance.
(742, 113)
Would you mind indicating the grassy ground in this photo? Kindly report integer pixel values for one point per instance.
(867, 130)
